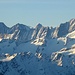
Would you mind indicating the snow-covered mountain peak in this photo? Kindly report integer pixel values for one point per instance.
(38, 26)
(72, 25)
(20, 26)
(72, 21)
(65, 28)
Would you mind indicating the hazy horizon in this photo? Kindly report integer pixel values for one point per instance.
(32, 12)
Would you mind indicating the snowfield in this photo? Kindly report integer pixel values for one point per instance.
(37, 51)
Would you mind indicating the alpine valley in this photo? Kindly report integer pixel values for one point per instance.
(37, 50)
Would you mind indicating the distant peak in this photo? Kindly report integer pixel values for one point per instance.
(72, 21)
(39, 25)
(20, 26)
(2, 24)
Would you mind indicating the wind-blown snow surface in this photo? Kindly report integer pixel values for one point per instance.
(37, 51)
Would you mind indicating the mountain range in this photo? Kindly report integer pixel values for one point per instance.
(37, 50)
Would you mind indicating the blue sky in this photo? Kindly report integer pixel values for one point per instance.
(32, 12)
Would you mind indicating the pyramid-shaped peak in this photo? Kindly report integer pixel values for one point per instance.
(39, 25)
